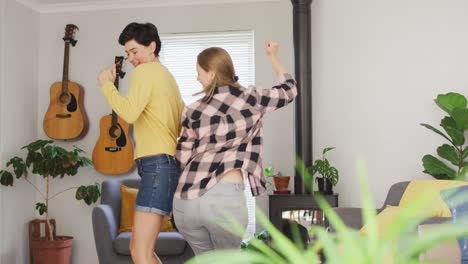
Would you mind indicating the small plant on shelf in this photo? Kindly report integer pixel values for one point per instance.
(329, 175)
(281, 181)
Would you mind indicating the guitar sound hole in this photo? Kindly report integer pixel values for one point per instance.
(73, 105)
(114, 131)
(65, 98)
(122, 140)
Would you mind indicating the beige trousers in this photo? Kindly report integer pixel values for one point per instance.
(203, 220)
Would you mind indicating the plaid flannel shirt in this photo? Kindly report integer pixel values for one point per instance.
(226, 134)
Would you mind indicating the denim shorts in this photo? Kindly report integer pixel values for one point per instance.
(159, 177)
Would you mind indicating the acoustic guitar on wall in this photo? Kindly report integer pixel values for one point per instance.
(66, 117)
(113, 153)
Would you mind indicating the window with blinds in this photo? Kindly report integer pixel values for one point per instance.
(179, 54)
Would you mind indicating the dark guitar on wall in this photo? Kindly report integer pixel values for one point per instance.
(66, 117)
(113, 153)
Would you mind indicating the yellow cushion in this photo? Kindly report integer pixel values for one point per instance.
(384, 219)
(128, 196)
(436, 207)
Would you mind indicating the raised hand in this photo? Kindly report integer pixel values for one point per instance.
(271, 48)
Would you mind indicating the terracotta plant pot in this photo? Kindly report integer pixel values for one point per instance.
(52, 252)
(281, 183)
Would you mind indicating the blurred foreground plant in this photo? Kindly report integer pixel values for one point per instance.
(400, 244)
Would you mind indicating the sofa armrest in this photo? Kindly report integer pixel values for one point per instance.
(105, 231)
(436, 220)
(351, 217)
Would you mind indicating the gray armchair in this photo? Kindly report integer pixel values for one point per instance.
(112, 247)
(352, 217)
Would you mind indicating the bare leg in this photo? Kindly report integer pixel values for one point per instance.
(146, 227)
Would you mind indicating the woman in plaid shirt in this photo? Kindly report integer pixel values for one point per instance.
(220, 143)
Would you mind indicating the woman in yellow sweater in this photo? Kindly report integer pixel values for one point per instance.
(154, 106)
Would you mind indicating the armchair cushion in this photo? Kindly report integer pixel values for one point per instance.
(436, 207)
(126, 218)
(383, 219)
(352, 217)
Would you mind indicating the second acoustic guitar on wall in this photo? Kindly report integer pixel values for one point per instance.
(113, 152)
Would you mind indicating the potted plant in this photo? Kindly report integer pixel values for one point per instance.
(329, 175)
(455, 126)
(50, 161)
(281, 182)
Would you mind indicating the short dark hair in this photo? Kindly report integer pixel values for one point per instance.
(143, 34)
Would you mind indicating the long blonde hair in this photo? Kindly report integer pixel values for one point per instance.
(218, 61)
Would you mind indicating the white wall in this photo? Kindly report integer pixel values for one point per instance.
(97, 45)
(2, 85)
(377, 66)
(17, 123)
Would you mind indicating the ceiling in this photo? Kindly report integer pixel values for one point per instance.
(48, 2)
(54, 6)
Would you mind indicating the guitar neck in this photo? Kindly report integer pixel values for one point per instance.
(114, 115)
(66, 60)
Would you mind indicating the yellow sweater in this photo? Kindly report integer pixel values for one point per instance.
(153, 105)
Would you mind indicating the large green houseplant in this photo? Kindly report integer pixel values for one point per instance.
(49, 161)
(455, 154)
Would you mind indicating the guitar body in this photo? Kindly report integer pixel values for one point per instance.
(113, 152)
(66, 118)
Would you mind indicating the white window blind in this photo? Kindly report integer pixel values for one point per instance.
(179, 54)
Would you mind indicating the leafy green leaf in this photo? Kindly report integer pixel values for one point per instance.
(41, 208)
(19, 167)
(463, 175)
(325, 150)
(460, 115)
(457, 136)
(80, 192)
(465, 152)
(448, 121)
(437, 131)
(455, 133)
(450, 101)
(89, 194)
(6, 178)
(437, 168)
(449, 153)
(38, 144)
(268, 171)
